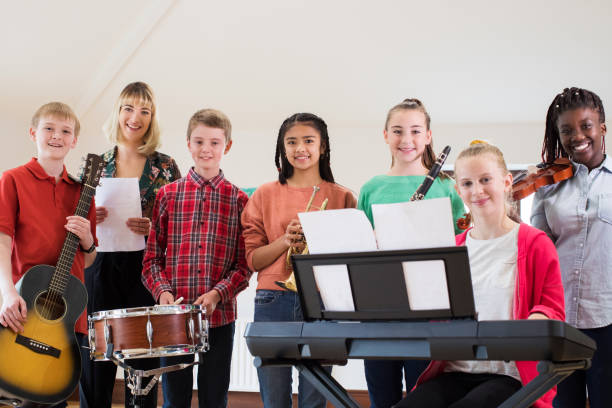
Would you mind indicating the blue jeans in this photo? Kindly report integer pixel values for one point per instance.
(384, 378)
(213, 373)
(275, 382)
(571, 392)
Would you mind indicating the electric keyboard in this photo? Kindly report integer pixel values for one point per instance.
(560, 347)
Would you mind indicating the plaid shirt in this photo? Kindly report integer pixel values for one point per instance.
(196, 245)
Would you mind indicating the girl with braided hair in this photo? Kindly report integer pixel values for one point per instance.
(577, 215)
(271, 227)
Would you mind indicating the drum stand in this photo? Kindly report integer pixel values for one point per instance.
(10, 402)
(134, 377)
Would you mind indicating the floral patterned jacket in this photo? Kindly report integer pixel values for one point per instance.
(159, 170)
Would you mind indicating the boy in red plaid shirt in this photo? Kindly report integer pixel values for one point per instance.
(196, 251)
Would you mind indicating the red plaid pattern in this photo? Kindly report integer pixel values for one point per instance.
(196, 245)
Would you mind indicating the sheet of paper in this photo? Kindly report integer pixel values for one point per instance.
(331, 231)
(414, 224)
(121, 197)
(334, 287)
(426, 285)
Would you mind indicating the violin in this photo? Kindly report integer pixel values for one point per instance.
(545, 174)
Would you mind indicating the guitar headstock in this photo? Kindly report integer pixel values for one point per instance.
(93, 170)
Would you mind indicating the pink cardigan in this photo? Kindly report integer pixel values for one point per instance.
(538, 289)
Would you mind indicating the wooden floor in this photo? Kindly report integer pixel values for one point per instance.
(235, 399)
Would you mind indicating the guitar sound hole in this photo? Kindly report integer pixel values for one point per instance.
(50, 305)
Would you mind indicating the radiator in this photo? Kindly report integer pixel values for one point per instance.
(243, 375)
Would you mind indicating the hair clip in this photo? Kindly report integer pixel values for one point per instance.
(557, 106)
(478, 141)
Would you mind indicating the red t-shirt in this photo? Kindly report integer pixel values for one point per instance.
(33, 211)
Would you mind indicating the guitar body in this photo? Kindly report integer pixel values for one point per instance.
(43, 364)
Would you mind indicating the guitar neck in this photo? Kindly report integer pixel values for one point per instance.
(71, 244)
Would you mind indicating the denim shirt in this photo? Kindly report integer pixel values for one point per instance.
(577, 215)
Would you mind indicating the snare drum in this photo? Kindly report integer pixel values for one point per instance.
(156, 331)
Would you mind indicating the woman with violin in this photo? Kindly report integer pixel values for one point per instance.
(577, 215)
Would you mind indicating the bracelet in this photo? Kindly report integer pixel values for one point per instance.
(90, 250)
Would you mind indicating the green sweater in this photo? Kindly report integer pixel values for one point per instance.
(385, 189)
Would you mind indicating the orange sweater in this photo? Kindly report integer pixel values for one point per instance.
(268, 212)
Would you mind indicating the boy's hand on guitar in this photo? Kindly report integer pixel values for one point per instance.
(140, 226)
(13, 312)
(101, 214)
(166, 298)
(81, 228)
(209, 301)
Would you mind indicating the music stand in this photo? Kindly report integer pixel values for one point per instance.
(378, 285)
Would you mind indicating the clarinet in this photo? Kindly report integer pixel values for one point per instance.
(420, 192)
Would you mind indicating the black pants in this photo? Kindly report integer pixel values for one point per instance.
(113, 282)
(462, 390)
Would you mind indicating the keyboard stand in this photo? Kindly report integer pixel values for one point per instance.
(550, 374)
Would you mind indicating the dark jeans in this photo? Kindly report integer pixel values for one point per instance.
(571, 392)
(384, 379)
(275, 382)
(462, 390)
(213, 373)
(113, 282)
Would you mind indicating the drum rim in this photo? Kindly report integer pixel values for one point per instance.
(162, 351)
(144, 311)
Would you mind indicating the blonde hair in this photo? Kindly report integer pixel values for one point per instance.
(211, 118)
(480, 148)
(135, 93)
(56, 109)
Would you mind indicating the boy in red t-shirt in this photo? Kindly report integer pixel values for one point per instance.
(37, 203)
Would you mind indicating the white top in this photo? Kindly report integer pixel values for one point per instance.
(493, 269)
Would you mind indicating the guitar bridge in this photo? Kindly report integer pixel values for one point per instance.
(37, 346)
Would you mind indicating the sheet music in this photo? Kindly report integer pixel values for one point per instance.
(414, 224)
(335, 231)
(333, 282)
(426, 285)
(121, 197)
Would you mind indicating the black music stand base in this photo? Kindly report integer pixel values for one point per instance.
(550, 374)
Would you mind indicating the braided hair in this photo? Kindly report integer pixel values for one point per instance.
(569, 99)
(285, 169)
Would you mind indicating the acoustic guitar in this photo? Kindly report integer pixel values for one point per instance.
(43, 363)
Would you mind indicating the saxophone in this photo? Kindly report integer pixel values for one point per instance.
(290, 283)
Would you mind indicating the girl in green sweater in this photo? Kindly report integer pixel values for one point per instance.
(408, 135)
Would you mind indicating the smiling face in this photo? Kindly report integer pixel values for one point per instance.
(581, 135)
(207, 146)
(303, 148)
(483, 185)
(407, 136)
(54, 137)
(134, 121)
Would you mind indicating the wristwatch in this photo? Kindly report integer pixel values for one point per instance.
(90, 250)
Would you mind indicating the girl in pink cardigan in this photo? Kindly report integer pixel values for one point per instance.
(515, 275)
